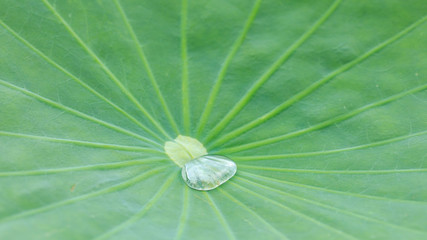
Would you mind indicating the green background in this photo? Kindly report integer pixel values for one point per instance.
(322, 105)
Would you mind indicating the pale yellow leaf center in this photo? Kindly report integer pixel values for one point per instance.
(184, 149)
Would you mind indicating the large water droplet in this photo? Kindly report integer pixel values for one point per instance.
(199, 170)
(208, 172)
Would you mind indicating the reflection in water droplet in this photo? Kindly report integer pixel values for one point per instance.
(208, 172)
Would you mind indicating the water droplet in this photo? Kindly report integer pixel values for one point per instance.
(208, 172)
(199, 170)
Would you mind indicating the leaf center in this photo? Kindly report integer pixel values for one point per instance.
(184, 149)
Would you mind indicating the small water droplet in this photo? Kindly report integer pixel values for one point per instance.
(208, 172)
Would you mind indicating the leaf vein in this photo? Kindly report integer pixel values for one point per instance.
(106, 69)
(314, 86)
(282, 236)
(147, 66)
(283, 58)
(184, 86)
(351, 194)
(147, 206)
(351, 172)
(326, 123)
(325, 152)
(328, 206)
(237, 44)
(81, 143)
(76, 79)
(100, 166)
(296, 212)
(114, 188)
(76, 113)
(220, 216)
(184, 214)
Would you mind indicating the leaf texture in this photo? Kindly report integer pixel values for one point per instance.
(321, 104)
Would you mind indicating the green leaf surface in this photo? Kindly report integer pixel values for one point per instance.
(322, 105)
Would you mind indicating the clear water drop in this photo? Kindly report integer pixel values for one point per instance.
(200, 170)
(208, 172)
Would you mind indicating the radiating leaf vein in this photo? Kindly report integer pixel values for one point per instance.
(76, 112)
(147, 67)
(326, 123)
(215, 89)
(298, 213)
(184, 214)
(283, 58)
(100, 166)
(117, 187)
(141, 212)
(328, 206)
(351, 172)
(83, 143)
(244, 206)
(325, 152)
(79, 81)
(314, 86)
(184, 86)
(106, 69)
(220, 216)
(351, 194)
